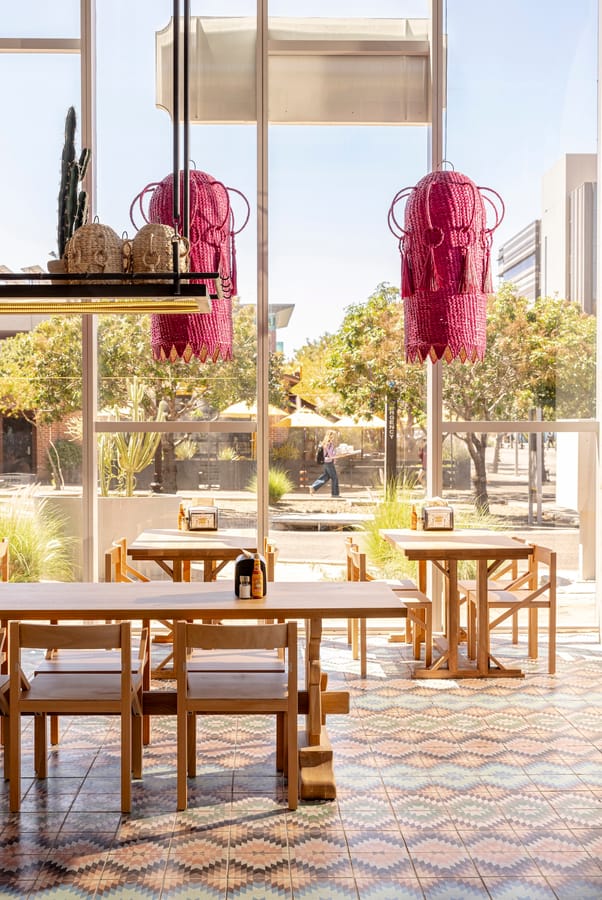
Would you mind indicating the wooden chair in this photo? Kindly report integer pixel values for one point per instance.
(3, 698)
(415, 603)
(103, 661)
(531, 591)
(223, 692)
(75, 693)
(511, 575)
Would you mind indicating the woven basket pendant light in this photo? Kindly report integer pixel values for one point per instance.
(212, 249)
(445, 246)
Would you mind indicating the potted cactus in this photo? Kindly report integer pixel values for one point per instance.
(72, 201)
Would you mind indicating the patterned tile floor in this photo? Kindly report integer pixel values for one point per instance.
(445, 790)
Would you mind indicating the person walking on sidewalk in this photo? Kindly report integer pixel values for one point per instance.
(330, 470)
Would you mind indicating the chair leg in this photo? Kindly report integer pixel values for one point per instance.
(471, 613)
(54, 730)
(552, 639)
(355, 651)
(40, 748)
(280, 754)
(182, 758)
(533, 633)
(137, 729)
(363, 649)
(418, 631)
(349, 631)
(126, 760)
(428, 636)
(6, 744)
(515, 628)
(293, 762)
(191, 746)
(14, 730)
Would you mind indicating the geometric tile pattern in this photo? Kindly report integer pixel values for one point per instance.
(445, 789)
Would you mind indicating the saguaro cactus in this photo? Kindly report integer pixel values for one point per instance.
(73, 203)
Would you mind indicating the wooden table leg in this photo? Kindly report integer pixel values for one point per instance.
(316, 770)
(452, 617)
(482, 619)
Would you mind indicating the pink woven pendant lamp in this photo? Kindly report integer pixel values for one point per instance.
(445, 246)
(212, 249)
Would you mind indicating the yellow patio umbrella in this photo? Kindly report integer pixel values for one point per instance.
(306, 418)
(244, 410)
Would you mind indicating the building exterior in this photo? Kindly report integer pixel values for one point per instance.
(555, 255)
(519, 260)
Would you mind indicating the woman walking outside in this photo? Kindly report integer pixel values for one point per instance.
(330, 470)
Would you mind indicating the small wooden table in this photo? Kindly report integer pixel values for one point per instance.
(444, 549)
(174, 550)
(312, 601)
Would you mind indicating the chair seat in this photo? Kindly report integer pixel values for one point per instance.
(230, 686)
(470, 585)
(70, 661)
(234, 661)
(76, 687)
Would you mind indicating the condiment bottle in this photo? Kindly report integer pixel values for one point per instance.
(181, 518)
(257, 579)
(414, 519)
(244, 587)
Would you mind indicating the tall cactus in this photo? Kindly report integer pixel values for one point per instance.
(73, 203)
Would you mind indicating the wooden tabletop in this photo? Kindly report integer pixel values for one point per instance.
(459, 544)
(214, 600)
(194, 545)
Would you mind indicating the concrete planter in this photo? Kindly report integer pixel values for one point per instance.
(117, 517)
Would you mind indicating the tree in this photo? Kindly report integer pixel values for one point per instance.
(311, 361)
(40, 374)
(536, 354)
(367, 359)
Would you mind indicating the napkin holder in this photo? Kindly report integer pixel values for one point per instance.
(437, 518)
(202, 518)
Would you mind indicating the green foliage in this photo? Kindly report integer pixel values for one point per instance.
(395, 512)
(285, 451)
(121, 455)
(279, 484)
(186, 449)
(35, 532)
(41, 371)
(367, 359)
(227, 453)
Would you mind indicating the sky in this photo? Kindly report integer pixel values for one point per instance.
(521, 84)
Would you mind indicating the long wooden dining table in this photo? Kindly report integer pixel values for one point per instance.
(309, 601)
(445, 549)
(173, 550)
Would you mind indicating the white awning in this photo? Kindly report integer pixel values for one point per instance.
(321, 71)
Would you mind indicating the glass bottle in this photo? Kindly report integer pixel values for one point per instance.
(257, 579)
(414, 519)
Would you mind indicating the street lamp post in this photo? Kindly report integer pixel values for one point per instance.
(390, 438)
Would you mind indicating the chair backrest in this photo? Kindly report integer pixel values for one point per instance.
(543, 582)
(270, 551)
(117, 567)
(4, 560)
(69, 637)
(356, 564)
(26, 635)
(236, 637)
